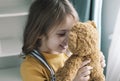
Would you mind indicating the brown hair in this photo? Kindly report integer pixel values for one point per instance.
(43, 16)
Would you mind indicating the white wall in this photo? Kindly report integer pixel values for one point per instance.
(110, 12)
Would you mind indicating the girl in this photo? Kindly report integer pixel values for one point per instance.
(46, 36)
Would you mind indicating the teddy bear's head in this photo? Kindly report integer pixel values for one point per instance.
(83, 38)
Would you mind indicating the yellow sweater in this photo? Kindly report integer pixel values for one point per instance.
(33, 70)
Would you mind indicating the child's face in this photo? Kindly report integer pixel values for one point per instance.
(57, 41)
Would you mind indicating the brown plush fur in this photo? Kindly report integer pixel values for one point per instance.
(83, 43)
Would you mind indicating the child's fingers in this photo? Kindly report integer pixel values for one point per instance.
(103, 64)
(85, 71)
(102, 60)
(85, 63)
(85, 78)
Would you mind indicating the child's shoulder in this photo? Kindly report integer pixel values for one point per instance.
(31, 61)
(30, 67)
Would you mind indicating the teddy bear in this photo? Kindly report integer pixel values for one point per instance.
(84, 44)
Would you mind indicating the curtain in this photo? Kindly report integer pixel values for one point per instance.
(89, 10)
(113, 66)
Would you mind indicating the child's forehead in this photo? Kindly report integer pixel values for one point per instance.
(65, 25)
(60, 29)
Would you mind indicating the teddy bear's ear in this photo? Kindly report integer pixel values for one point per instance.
(92, 23)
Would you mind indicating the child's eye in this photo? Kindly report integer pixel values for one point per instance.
(61, 34)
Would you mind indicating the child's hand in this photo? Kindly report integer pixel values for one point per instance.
(84, 72)
(102, 60)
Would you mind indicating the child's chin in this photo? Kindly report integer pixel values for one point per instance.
(63, 51)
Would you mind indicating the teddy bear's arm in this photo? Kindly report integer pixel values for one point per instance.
(97, 71)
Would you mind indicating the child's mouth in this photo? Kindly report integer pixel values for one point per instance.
(63, 47)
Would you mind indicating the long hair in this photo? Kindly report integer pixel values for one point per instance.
(43, 16)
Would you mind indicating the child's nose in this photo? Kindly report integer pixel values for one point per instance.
(66, 40)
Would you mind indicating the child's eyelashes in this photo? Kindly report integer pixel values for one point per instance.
(61, 34)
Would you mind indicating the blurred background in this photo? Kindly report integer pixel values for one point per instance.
(13, 15)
